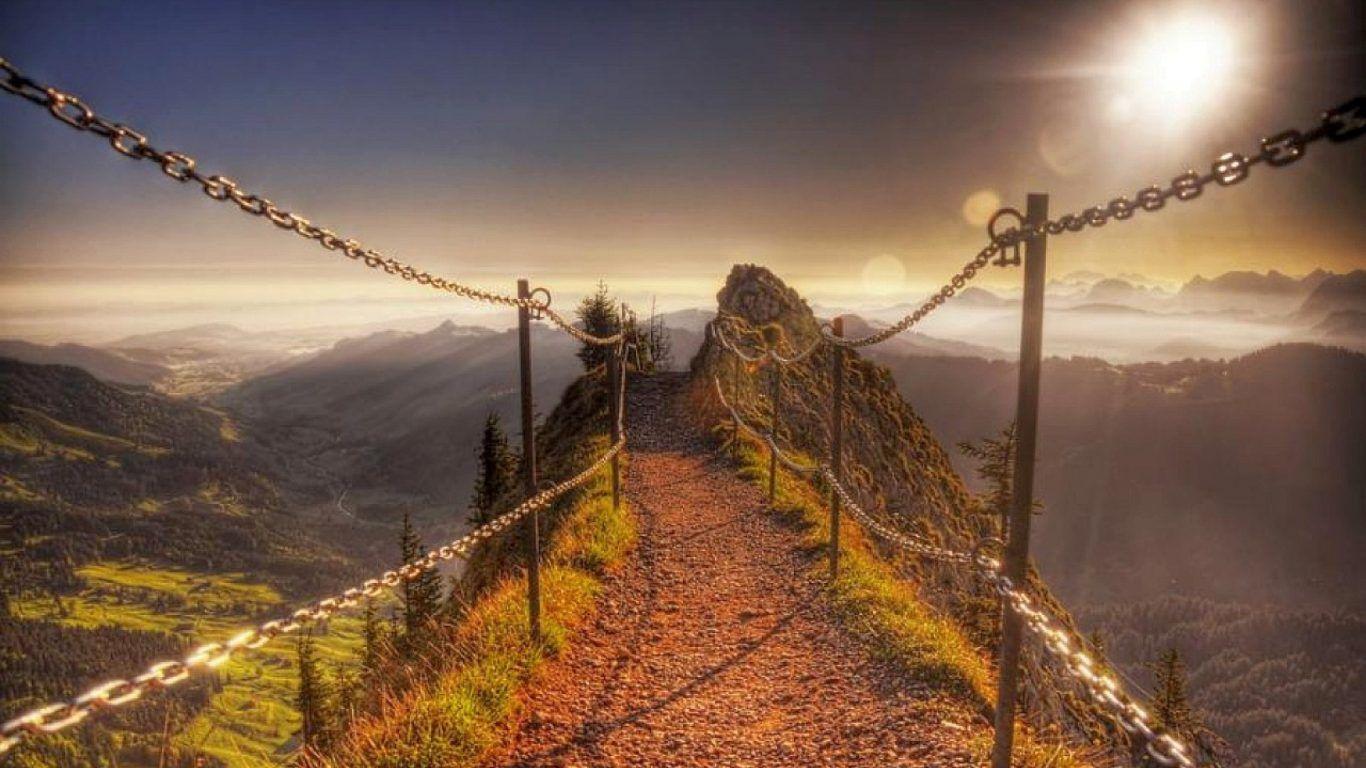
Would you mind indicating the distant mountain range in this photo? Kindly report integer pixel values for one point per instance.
(396, 413)
(104, 364)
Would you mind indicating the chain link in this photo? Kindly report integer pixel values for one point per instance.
(1343, 123)
(1101, 687)
(718, 324)
(952, 287)
(58, 716)
(72, 111)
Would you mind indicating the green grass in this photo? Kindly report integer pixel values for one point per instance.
(888, 615)
(253, 716)
(458, 718)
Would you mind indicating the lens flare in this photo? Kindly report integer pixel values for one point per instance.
(884, 275)
(1183, 64)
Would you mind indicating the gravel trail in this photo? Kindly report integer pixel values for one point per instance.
(712, 645)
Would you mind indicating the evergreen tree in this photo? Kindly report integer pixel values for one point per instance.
(995, 459)
(312, 698)
(422, 595)
(372, 633)
(494, 471)
(347, 686)
(657, 342)
(1171, 709)
(1097, 641)
(597, 313)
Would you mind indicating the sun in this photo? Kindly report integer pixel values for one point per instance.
(1182, 64)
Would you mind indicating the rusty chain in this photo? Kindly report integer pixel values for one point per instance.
(72, 111)
(1103, 688)
(718, 325)
(57, 716)
(1340, 124)
(1343, 123)
(951, 288)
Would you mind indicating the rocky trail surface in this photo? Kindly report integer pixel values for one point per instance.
(713, 645)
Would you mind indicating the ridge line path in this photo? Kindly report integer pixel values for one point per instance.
(712, 645)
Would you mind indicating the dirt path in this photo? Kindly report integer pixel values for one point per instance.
(712, 645)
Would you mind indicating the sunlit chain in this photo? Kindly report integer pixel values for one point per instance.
(952, 287)
(771, 353)
(783, 458)
(51, 718)
(1102, 687)
(910, 541)
(183, 168)
(1337, 125)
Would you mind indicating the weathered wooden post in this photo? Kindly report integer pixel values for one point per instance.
(775, 397)
(836, 443)
(529, 481)
(1022, 492)
(735, 401)
(614, 373)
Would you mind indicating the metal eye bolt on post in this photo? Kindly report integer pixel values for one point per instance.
(1022, 495)
(529, 480)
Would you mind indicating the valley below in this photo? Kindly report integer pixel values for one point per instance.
(178, 485)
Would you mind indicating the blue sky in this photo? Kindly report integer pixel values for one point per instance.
(654, 144)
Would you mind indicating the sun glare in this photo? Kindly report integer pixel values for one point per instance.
(1184, 64)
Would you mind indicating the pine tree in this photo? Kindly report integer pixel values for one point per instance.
(422, 595)
(347, 685)
(658, 342)
(312, 699)
(996, 467)
(372, 633)
(1171, 709)
(494, 471)
(597, 313)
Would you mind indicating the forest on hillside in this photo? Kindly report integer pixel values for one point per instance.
(1214, 507)
(131, 525)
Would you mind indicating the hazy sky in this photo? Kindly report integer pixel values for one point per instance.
(656, 144)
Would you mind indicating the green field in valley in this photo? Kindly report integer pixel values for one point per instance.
(252, 718)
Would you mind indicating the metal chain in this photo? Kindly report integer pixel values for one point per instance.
(952, 287)
(72, 111)
(1103, 688)
(910, 541)
(57, 716)
(1340, 124)
(783, 458)
(772, 353)
(1337, 125)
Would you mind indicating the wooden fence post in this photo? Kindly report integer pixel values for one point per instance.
(836, 443)
(529, 480)
(614, 373)
(1022, 492)
(735, 401)
(775, 398)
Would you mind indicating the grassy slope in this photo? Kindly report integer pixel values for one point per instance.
(458, 717)
(252, 714)
(886, 612)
